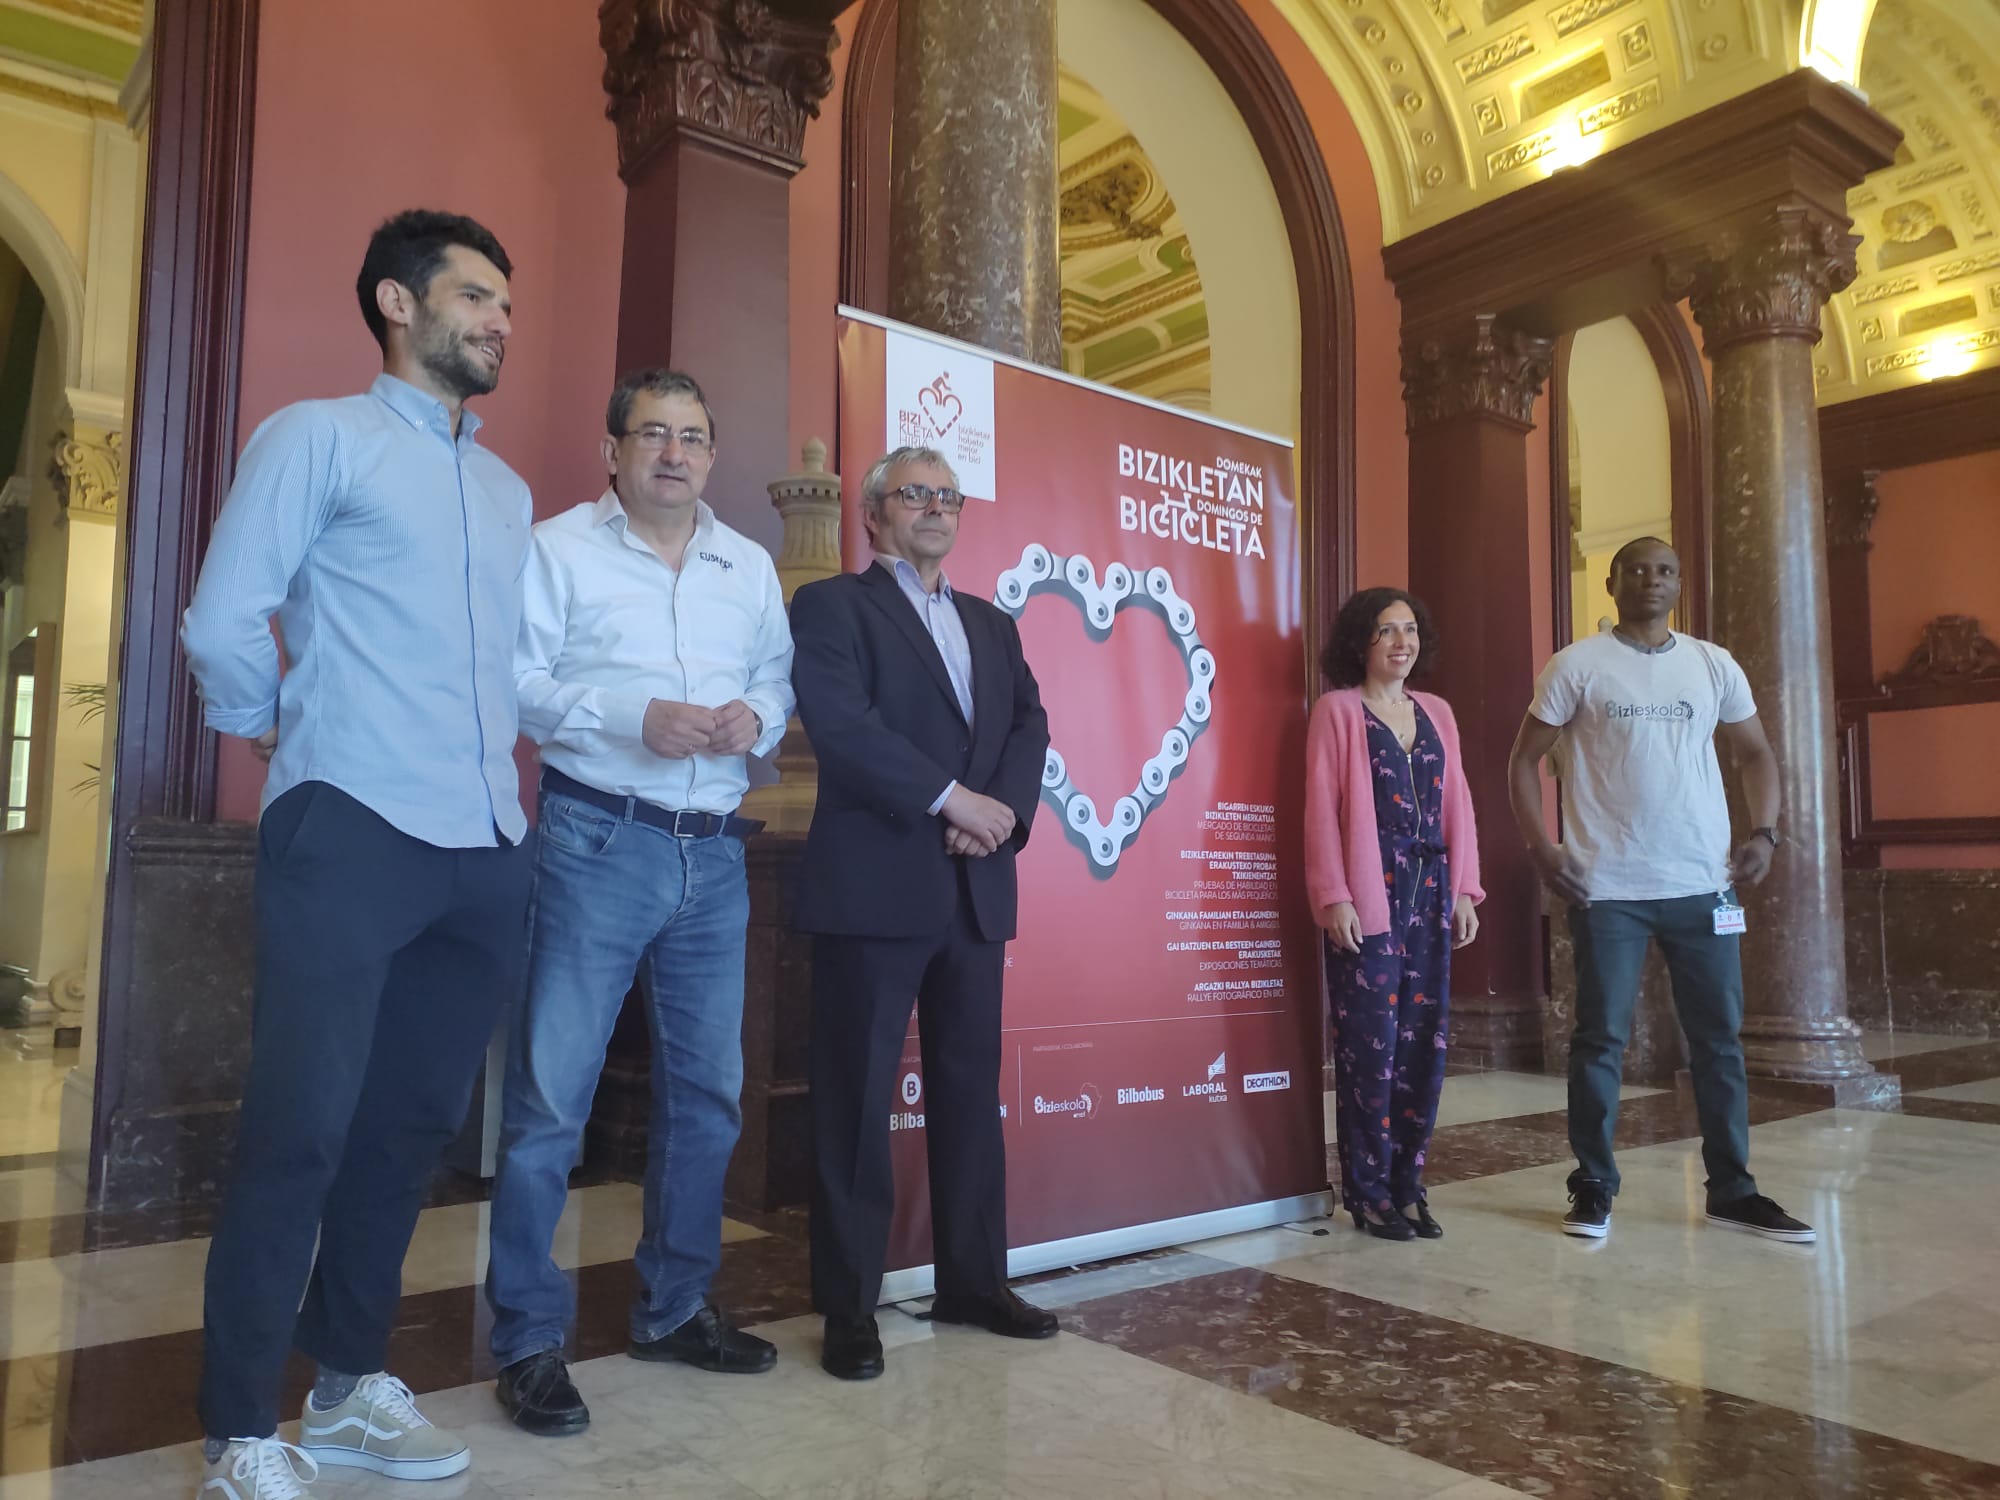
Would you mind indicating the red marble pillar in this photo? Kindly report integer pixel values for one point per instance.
(1757, 290)
(1470, 392)
(711, 99)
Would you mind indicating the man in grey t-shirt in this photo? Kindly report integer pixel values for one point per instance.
(1631, 717)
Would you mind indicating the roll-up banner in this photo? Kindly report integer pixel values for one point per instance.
(1160, 1076)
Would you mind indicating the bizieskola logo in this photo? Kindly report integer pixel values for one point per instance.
(1083, 1107)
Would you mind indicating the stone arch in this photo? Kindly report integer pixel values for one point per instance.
(40, 245)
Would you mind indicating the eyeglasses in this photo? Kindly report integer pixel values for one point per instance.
(653, 435)
(920, 496)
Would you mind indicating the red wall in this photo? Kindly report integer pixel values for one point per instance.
(815, 245)
(493, 108)
(1936, 541)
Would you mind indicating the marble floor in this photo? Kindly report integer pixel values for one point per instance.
(32, 1070)
(1672, 1360)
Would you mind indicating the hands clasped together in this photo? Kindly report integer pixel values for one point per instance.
(675, 731)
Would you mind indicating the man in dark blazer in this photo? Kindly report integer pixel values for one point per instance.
(930, 736)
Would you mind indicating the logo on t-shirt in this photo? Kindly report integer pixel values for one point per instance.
(1680, 711)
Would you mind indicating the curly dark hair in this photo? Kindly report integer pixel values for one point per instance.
(1345, 659)
(410, 249)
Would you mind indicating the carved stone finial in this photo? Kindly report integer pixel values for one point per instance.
(1493, 370)
(731, 72)
(1766, 279)
(88, 476)
(1850, 513)
(813, 456)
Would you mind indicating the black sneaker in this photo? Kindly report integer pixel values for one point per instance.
(1589, 1211)
(1759, 1215)
(707, 1342)
(540, 1397)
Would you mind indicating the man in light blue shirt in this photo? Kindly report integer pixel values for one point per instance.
(655, 656)
(391, 887)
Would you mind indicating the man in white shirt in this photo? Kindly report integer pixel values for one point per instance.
(655, 655)
(1632, 716)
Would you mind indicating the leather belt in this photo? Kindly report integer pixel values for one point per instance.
(682, 825)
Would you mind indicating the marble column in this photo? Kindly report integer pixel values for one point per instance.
(1470, 392)
(972, 228)
(1757, 293)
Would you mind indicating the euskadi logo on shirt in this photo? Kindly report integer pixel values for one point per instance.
(1266, 1083)
(1215, 1088)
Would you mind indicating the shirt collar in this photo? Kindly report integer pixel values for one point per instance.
(1644, 650)
(610, 509)
(905, 572)
(420, 408)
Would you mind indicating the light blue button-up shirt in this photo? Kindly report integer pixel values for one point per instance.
(391, 555)
(939, 612)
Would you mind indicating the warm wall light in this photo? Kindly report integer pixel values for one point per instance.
(1831, 36)
(1945, 358)
(1571, 147)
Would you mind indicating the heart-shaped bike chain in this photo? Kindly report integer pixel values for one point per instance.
(1075, 577)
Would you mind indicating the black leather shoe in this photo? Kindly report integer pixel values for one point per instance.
(1395, 1227)
(1003, 1313)
(708, 1343)
(539, 1396)
(1426, 1227)
(853, 1349)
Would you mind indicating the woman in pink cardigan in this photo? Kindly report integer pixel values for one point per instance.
(1392, 866)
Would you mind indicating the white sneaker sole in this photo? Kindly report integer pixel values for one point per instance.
(393, 1468)
(1588, 1231)
(1785, 1236)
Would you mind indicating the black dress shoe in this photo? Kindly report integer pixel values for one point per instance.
(853, 1349)
(538, 1395)
(1002, 1313)
(1395, 1227)
(708, 1343)
(1426, 1227)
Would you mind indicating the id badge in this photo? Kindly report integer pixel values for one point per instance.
(1729, 919)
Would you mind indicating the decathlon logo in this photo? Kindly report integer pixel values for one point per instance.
(1266, 1083)
(1083, 1107)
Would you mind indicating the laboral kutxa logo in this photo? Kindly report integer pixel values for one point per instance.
(1214, 1088)
(1083, 1105)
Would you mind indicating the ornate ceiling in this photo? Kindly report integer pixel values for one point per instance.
(1461, 100)
(1133, 312)
(1926, 303)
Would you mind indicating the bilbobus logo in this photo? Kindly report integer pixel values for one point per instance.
(1144, 1094)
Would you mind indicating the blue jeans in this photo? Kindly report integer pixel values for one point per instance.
(614, 897)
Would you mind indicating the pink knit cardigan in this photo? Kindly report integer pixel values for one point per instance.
(1343, 853)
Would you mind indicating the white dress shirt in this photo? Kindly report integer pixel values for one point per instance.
(607, 626)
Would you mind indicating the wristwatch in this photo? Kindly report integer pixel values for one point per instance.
(1770, 833)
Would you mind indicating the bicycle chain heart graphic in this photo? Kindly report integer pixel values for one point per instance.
(940, 407)
(1075, 578)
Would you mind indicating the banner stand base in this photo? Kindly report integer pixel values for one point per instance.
(921, 1281)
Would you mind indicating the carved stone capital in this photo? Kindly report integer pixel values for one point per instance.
(1491, 370)
(1765, 279)
(88, 475)
(1850, 512)
(731, 72)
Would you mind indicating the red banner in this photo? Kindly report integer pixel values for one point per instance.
(1162, 1017)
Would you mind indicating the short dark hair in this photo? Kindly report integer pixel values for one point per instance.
(655, 380)
(1345, 659)
(1618, 557)
(410, 249)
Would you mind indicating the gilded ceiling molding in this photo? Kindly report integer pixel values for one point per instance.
(1492, 370)
(1766, 279)
(730, 72)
